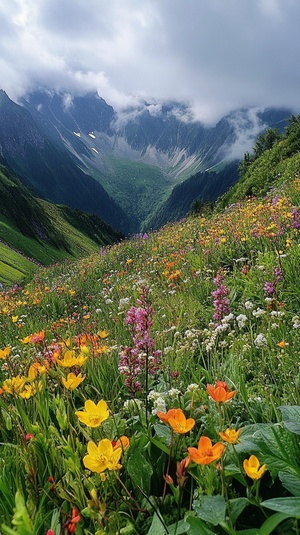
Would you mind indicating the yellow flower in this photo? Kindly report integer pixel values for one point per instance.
(102, 457)
(72, 381)
(14, 385)
(253, 469)
(70, 360)
(230, 435)
(4, 353)
(94, 415)
(103, 334)
(28, 392)
(14, 319)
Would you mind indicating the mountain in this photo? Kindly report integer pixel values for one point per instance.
(34, 231)
(34, 150)
(198, 190)
(78, 150)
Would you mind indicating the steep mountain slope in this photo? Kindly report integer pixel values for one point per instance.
(35, 152)
(33, 230)
(120, 166)
(274, 160)
(202, 187)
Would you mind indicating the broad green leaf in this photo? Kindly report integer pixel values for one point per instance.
(157, 527)
(289, 506)
(291, 418)
(271, 523)
(197, 527)
(237, 506)
(139, 470)
(279, 449)
(290, 482)
(210, 509)
(179, 528)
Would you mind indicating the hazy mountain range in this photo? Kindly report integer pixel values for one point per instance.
(135, 170)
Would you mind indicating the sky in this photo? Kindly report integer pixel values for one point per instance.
(214, 55)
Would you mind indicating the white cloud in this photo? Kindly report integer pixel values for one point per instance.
(216, 55)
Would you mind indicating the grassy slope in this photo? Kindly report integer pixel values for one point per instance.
(136, 186)
(35, 231)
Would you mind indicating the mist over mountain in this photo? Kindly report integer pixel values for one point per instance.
(78, 150)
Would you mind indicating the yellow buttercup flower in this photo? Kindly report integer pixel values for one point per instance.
(230, 435)
(14, 385)
(93, 415)
(253, 469)
(4, 353)
(72, 381)
(70, 360)
(102, 457)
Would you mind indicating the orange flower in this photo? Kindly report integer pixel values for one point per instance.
(253, 469)
(179, 423)
(230, 435)
(206, 453)
(164, 416)
(220, 392)
(122, 442)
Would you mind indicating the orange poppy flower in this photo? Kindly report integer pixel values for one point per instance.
(179, 423)
(220, 392)
(206, 453)
(164, 416)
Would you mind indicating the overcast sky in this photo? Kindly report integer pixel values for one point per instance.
(218, 55)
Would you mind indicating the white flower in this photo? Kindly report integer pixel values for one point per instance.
(192, 387)
(174, 392)
(241, 320)
(159, 405)
(277, 313)
(258, 312)
(228, 318)
(123, 303)
(260, 341)
(248, 305)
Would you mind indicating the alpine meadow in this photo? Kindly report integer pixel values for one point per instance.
(152, 387)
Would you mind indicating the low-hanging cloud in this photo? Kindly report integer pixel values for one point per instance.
(217, 56)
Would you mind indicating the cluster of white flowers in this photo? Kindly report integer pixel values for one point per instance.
(241, 321)
(123, 303)
(260, 341)
(174, 393)
(258, 312)
(192, 388)
(248, 305)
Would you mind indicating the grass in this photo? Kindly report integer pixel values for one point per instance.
(145, 326)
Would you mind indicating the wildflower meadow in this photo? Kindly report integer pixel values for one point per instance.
(153, 387)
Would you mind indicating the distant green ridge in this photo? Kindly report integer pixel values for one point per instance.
(34, 231)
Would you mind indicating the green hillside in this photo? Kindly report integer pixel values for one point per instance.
(34, 231)
(274, 160)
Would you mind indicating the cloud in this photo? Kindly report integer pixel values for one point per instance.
(216, 55)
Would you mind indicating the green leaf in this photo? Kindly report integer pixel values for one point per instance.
(291, 418)
(139, 470)
(157, 527)
(210, 509)
(290, 482)
(197, 527)
(271, 523)
(290, 506)
(179, 528)
(237, 506)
